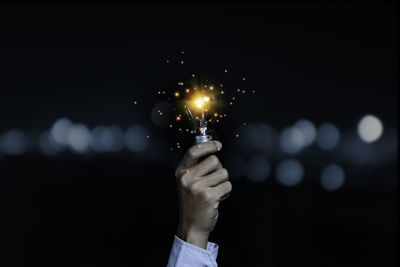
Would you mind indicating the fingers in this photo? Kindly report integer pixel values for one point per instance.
(206, 166)
(195, 153)
(216, 178)
(221, 191)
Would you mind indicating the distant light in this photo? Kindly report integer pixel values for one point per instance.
(328, 136)
(13, 142)
(258, 137)
(79, 138)
(370, 128)
(59, 131)
(107, 139)
(308, 130)
(136, 138)
(332, 177)
(289, 172)
(47, 145)
(258, 169)
(291, 140)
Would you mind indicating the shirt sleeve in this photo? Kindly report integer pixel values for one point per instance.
(184, 254)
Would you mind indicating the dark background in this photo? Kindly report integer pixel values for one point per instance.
(327, 62)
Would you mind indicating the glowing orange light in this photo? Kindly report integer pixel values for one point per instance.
(177, 94)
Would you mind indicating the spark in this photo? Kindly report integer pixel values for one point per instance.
(167, 60)
(238, 90)
(182, 52)
(187, 90)
(182, 62)
(193, 75)
(230, 103)
(222, 92)
(180, 83)
(148, 136)
(211, 87)
(244, 91)
(177, 94)
(237, 135)
(254, 91)
(135, 102)
(244, 78)
(170, 126)
(178, 118)
(233, 98)
(215, 114)
(225, 70)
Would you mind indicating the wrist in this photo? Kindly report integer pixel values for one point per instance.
(197, 238)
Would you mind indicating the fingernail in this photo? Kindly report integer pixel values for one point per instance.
(218, 144)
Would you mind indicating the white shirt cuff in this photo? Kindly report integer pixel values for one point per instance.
(185, 254)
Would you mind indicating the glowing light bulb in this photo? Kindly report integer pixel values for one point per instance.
(200, 111)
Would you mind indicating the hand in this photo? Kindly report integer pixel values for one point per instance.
(201, 186)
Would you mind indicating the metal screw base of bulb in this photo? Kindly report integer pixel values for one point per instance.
(203, 138)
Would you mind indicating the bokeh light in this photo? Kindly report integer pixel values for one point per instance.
(107, 139)
(370, 128)
(13, 142)
(136, 138)
(257, 137)
(308, 129)
(289, 172)
(332, 177)
(257, 169)
(291, 140)
(79, 138)
(59, 131)
(328, 136)
(47, 144)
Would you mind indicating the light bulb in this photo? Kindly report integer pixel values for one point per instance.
(198, 109)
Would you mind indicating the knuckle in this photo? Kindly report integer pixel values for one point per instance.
(207, 196)
(191, 153)
(213, 160)
(224, 173)
(184, 180)
(194, 188)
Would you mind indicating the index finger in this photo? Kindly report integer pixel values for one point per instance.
(194, 153)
